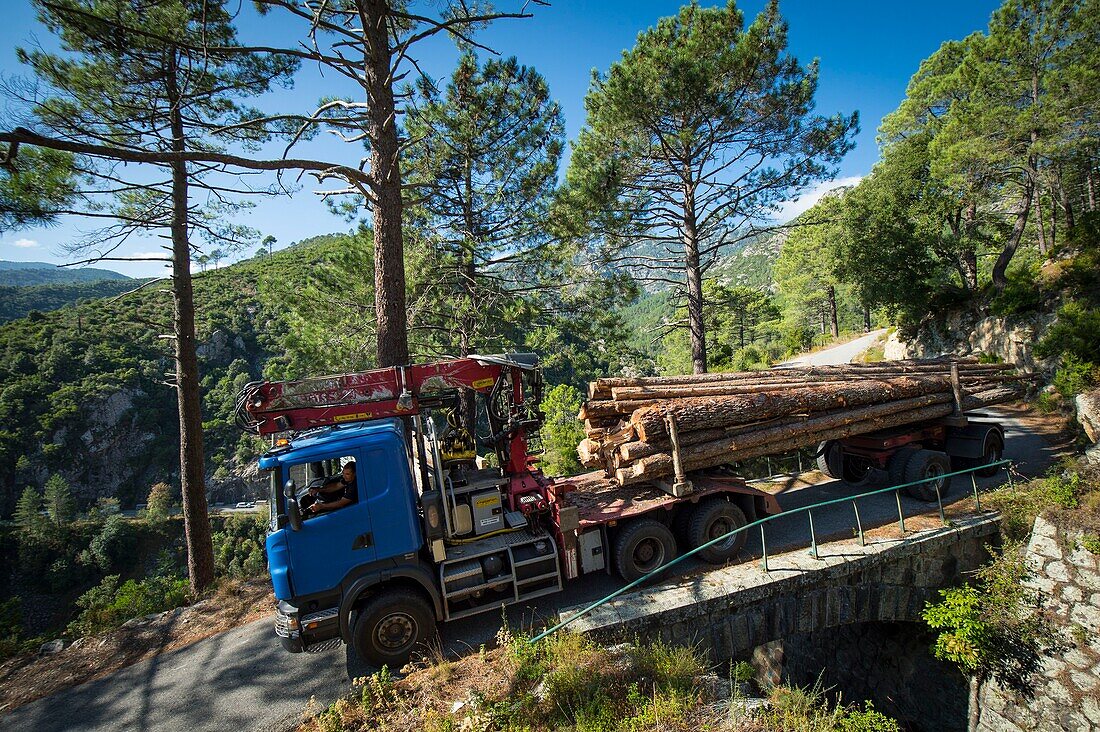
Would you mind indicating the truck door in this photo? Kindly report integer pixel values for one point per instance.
(330, 545)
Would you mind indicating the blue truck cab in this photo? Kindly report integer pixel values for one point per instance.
(318, 564)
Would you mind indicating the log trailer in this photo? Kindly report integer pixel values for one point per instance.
(437, 534)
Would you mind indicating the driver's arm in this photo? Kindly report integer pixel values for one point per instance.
(330, 506)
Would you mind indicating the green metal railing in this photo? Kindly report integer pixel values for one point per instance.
(808, 510)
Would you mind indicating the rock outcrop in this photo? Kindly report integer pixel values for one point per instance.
(1067, 690)
(965, 333)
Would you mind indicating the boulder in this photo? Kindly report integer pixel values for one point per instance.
(51, 647)
(1088, 413)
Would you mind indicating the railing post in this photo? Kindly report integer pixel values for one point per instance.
(813, 537)
(764, 546)
(859, 524)
(974, 482)
(901, 514)
(939, 502)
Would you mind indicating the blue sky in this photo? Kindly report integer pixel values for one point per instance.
(868, 50)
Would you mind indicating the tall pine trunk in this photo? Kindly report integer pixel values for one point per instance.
(693, 270)
(196, 520)
(1000, 267)
(389, 253)
(834, 325)
(968, 258)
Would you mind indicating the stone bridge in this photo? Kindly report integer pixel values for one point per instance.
(733, 610)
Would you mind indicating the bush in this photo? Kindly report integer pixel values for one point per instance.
(750, 358)
(115, 546)
(239, 547)
(158, 506)
(1077, 332)
(110, 604)
(1020, 504)
(1074, 376)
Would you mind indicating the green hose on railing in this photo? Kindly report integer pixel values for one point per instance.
(761, 522)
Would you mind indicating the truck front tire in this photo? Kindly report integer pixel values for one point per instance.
(711, 519)
(641, 547)
(391, 626)
(830, 459)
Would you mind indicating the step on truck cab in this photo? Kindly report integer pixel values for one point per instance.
(435, 531)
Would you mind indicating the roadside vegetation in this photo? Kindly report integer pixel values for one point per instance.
(569, 682)
(69, 574)
(994, 628)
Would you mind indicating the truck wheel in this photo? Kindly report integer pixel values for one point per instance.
(641, 547)
(928, 464)
(857, 470)
(830, 459)
(992, 451)
(712, 519)
(391, 626)
(896, 465)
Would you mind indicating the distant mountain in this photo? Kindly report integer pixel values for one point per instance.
(27, 274)
(16, 302)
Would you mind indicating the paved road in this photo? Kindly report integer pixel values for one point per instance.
(841, 354)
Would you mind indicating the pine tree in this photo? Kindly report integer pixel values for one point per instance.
(370, 43)
(28, 513)
(482, 162)
(60, 504)
(693, 138)
(155, 82)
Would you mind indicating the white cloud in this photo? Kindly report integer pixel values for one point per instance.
(790, 209)
(25, 243)
(150, 255)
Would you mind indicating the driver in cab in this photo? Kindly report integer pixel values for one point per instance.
(336, 492)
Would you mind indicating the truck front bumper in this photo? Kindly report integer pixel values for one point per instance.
(299, 632)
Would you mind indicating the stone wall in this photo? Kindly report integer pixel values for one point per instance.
(889, 664)
(965, 333)
(1067, 694)
(731, 611)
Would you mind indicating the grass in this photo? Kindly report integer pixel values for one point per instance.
(569, 682)
(1066, 487)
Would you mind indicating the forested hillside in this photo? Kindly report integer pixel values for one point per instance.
(27, 274)
(16, 302)
(84, 391)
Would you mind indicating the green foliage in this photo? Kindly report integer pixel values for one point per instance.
(1075, 376)
(1020, 504)
(60, 505)
(1076, 333)
(743, 672)
(159, 503)
(562, 430)
(239, 547)
(28, 513)
(995, 629)
(115, 544)
(690, 97)
(34, 184)
(806, 710)
(1021, 295)
(110, 603)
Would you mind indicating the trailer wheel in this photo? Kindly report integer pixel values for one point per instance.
(711, 519)
(391, 626)
(830, 459)
(928, 464)
(992, 451)
(897, 463)
(641, 547)
(857, 470)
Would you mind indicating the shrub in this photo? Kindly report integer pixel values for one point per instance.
(158, 506)
(561, 430)
(239, 547)
(1077, 332)
(1020, 504)
(750, 358)
(1074, 376)
(115, 546)
(109, 604)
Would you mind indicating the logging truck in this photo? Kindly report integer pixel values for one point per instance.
(446, 513)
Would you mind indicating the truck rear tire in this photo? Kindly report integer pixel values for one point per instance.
(830, 459)
(391, 626)
(641, 547)
(928, 464)
(992, 451)
(711, 519)
(897, 463)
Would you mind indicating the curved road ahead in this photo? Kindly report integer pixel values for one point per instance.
(242, 680)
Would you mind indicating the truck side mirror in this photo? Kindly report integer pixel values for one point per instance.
(294, 515)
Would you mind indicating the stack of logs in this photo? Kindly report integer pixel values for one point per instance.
(638, 427)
